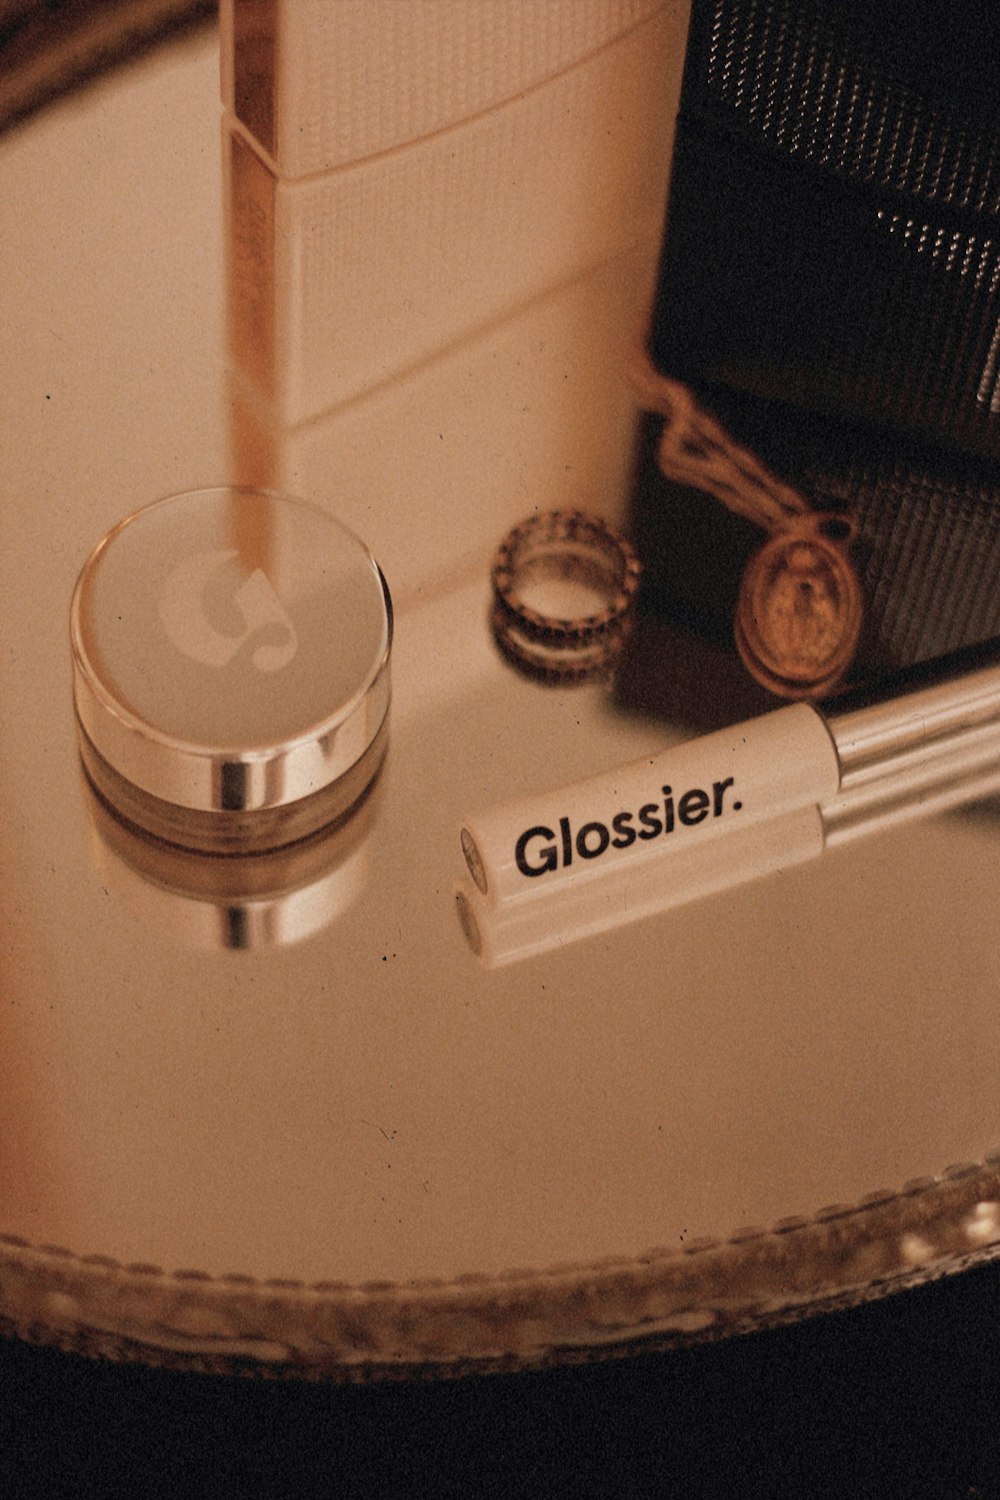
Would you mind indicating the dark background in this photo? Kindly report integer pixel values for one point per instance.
(899, 1398)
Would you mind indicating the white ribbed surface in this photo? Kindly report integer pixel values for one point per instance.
(354, 78)
(379, 266)
(432, 468)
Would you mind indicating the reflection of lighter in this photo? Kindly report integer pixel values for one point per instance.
(719, 810)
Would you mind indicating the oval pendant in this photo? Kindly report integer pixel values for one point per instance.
(798, 614)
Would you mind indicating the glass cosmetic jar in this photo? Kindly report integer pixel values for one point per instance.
(231, 669)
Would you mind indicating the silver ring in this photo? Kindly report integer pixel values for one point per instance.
(564, 547)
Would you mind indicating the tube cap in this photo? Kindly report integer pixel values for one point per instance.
(231, 669)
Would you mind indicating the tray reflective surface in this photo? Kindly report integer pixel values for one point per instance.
(292, 1120)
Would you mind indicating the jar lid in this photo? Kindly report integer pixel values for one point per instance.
(231, 668)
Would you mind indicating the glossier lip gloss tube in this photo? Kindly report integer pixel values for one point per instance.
(713, 812)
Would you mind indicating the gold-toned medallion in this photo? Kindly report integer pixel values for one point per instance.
(798, 613)
(800, 608)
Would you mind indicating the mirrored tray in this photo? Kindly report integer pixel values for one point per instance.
(295, 1125)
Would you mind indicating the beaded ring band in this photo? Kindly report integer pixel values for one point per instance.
(565, 546)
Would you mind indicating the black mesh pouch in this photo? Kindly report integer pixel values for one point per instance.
(830, 287)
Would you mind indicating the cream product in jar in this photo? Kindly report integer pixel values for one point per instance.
(231, 669)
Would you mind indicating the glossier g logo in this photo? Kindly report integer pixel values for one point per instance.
(188, 593)
(541, 849)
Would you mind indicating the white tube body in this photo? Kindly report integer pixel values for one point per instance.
(698, 817)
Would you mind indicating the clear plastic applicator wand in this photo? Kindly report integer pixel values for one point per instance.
(714, 812)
